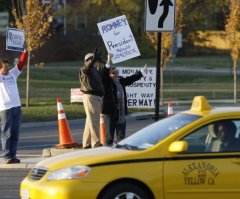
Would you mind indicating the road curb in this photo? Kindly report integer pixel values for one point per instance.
(50, 152)
(25, 164)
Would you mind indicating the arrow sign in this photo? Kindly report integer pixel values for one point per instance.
(165, 4)
(160, 15)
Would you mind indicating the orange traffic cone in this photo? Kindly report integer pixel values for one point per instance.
(65, 138)
(102, 130)
(170, 109)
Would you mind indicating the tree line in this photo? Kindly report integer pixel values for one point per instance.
(35, 19)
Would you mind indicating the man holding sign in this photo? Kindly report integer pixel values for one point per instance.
(10, 107)
(91, 76)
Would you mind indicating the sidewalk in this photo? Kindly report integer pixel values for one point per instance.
(29, 162)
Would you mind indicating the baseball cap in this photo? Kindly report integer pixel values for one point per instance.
(87, 56)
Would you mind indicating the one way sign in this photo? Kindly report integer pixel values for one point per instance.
(160, 15)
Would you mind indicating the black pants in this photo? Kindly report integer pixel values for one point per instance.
(119, 128)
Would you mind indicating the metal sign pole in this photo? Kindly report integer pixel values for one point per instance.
(160, 17)
(159, 44)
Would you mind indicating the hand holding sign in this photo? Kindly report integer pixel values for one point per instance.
(145, 70)
(109, 59)
(15, 40)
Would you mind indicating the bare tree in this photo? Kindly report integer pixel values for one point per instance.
(233, 35)
(35, 19)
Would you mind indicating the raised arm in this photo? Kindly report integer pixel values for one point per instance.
(22, 60)
(135, 77)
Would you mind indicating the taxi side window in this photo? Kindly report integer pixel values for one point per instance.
(221, 136)
(196, 140)
(224, 137)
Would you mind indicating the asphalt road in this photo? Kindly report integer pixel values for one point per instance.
(38, 136)
(10, 180)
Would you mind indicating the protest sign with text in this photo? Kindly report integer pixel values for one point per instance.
(118, 39)
(140, 94)
(15, 39)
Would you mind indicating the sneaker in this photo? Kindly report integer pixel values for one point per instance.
(15, 160)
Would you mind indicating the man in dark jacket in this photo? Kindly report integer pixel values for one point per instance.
(115, 103)
(91, 77)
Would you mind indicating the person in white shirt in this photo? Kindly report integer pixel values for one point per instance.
(10, 109)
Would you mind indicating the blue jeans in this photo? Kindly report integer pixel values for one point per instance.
(10, 120)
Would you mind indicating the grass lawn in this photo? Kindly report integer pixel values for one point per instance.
(55, 80)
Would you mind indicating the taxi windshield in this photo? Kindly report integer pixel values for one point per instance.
(154, 133)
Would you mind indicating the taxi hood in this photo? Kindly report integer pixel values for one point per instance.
(89, 157)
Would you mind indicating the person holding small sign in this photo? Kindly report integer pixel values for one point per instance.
(10, 108)
(117, 110)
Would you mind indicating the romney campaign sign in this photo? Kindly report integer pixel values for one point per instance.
(118, 39)
(15, 39)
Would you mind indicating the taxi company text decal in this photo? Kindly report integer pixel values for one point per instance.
(199, 173)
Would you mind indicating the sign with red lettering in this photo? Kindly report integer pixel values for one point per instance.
(118, 39)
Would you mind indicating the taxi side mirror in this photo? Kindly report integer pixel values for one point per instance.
(178, 147)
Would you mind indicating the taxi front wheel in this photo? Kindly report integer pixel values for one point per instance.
(125, 191)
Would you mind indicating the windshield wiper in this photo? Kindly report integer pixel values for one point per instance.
(126, 146)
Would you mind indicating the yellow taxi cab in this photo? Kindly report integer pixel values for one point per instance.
(193, 154)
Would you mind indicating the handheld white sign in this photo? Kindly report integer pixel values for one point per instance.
(118, 39)
(140, 94)
(15, 39)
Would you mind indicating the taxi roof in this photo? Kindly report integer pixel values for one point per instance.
(200, 106)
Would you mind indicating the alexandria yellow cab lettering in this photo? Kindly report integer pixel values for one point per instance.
(200, 166)
(200, 177)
